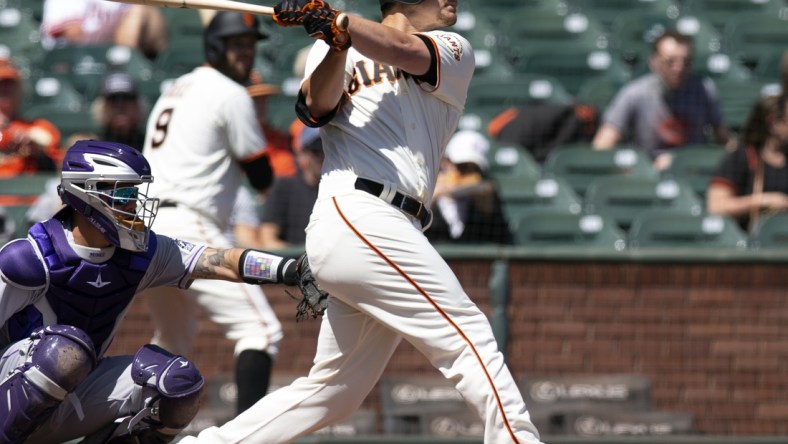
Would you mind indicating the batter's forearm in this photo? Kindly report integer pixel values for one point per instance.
(325, 86)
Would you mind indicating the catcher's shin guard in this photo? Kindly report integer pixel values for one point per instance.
(177, 386)
(60, 358)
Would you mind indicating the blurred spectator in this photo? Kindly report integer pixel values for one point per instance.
(753, 179)
(91, 22)
(26, 147)
(118, 111)
(279, 149)
(288, 204)
(666, 108)
(466, 207)
(541, 127)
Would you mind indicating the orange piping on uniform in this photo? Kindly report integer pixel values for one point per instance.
(437, 308)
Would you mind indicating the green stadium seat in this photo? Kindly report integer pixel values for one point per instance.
(695, 165)
(497, 10)
(746, 36)
(512, 160)
(770, 232)
(54, 91)
(489, 96)
(178, 58)
(667, 229)
(720, 12)
(767, 65)
(184, 26)
(606, 10)
(580, 165)
(552, 228)
(599, 91)
(69, 122)
(365, 8)
(18, 193)
(738, 96)
(572, 66)
(19, 32)
(484, 38)
(623, 198)
(523, 30)
(85, 66)
(521, 195)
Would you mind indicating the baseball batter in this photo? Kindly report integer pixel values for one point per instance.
(202, 136)
(64, 291)
(387, 97)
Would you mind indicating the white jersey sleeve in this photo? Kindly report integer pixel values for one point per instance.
(455, 67)
(172, 264)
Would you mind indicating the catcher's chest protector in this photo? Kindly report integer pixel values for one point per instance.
(83, 294)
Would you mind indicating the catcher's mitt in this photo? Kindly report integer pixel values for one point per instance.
(315, 299)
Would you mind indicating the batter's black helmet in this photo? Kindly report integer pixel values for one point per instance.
(227, 24)
(407, 2)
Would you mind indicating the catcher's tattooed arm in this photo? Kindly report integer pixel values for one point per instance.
(240, 265)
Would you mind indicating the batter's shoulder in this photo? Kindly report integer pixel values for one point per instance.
(21, 266)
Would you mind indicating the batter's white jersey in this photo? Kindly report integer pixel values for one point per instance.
(404, 142)
(393, 129)
(198, 132)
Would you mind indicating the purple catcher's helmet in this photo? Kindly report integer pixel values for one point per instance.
(107, 183)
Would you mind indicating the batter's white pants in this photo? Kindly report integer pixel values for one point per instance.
(387, 282)
(240, 310)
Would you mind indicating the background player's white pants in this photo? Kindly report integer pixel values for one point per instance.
(108, 393)
(387, 282)
(241, 311)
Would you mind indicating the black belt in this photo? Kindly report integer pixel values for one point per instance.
(405, 203)
(167, 203)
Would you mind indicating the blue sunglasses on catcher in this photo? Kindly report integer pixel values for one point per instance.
(121, 196)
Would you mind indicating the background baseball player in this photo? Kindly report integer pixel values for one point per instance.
(201, 137)
(387, 97)
(65, 289)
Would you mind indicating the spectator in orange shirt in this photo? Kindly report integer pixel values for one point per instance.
(26, 147)
(280, 149)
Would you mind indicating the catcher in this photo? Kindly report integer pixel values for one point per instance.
(65, 289)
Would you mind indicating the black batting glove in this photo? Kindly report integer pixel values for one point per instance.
(291, 12)
(321, 22)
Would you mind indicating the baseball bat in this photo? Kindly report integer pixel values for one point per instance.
(217, 5)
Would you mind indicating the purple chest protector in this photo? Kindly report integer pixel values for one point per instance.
(87, 295)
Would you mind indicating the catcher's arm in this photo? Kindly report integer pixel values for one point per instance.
(245, 265)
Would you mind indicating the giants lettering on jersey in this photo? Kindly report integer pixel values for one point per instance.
(372, 75)
(454, 44)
